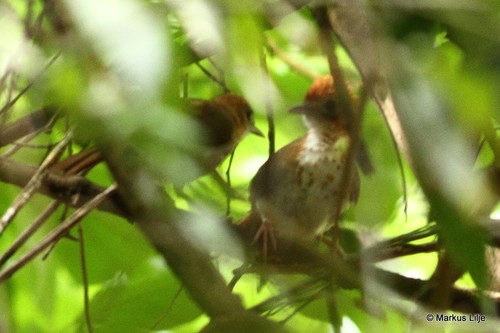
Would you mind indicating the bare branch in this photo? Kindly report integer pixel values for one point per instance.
(26, 234)
(57, 233)
(74, 191)
(85, 280)
(298, 67)
(31, 123)
(30, 84)
(32, 186)
(158, 220)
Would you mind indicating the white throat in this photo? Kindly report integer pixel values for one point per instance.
(323, 144)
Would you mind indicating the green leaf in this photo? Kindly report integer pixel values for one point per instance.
(153, 303)
(112, 245)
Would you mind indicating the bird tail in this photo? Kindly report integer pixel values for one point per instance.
(78, 163)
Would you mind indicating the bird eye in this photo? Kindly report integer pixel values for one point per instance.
(249, 113)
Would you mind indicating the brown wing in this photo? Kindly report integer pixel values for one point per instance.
(270, 176)
(354, 190)
(217, 125)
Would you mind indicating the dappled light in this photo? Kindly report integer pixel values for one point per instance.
(249, 166)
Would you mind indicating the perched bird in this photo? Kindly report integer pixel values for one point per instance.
(224, 121)
(296, 194)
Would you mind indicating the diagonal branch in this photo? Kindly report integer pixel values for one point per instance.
(74, 191)
(57, 233)
(159, 221)
(31, 123)
(28, 232)
(33, 184)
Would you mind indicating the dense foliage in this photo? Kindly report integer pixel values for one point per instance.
(112, 74)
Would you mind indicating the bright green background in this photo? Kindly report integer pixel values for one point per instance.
(131, 289)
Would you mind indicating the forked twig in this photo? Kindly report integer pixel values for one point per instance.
(274, 49)
(26, 234)
(13, 101)
(35, 182)
(57, 233)
(212, 77)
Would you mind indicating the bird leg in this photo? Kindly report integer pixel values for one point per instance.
(333, 242)
(266, 233)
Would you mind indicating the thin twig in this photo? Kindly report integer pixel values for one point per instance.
(60, 187)
(378, 255)
(237, 274)
(30, 84)
(299, 307)
(268, 104)
(228, 180)
(292, 296)
(63, 216)
(26, 234)
(212, 77)
(418, 234)
(33, 145)
(33, 185)
(23, 143)
(57, 233)
(35, 122)
(274, 48)
(333, 308)
(399, 160)
(3, 80)
(85, 279)
(8, 80)
(16, 147)
(220, 73)
(168, 309)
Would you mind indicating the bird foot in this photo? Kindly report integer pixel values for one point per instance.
(334, 246)
(266, 234)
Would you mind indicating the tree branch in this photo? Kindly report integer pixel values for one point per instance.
(31, 123)
(57, 233)
(74, 191)
(157, 219)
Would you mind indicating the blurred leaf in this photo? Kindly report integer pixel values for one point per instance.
(385, 184)
(155, 302)
(112, 246)
(464, 240)
(349, 241)
(443, 163)
(317, 309)
(119, 75)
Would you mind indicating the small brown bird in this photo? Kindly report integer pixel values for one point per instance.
(225, 120)
(296, 194)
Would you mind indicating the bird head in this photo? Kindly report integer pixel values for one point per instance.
(240, 113)
(320, 107)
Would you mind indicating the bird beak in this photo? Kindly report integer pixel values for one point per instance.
(255, 130)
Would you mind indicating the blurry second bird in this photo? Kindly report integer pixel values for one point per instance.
(224, 121)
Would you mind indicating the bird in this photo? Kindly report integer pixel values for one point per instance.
(297, 193)
(223, 120)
